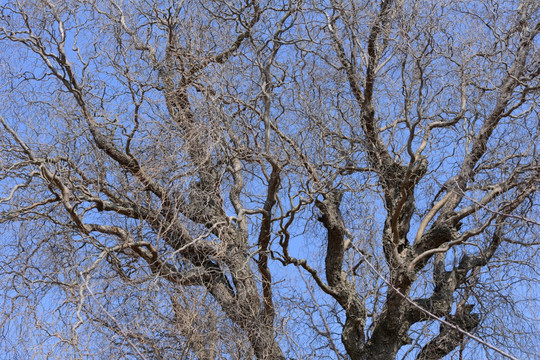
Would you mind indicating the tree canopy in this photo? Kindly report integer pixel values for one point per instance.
(340, 179)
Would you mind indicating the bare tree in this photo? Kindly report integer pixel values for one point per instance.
(270, 180)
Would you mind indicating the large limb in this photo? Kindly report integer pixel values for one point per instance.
(342, 289)
(455, 187)
(448, 281)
